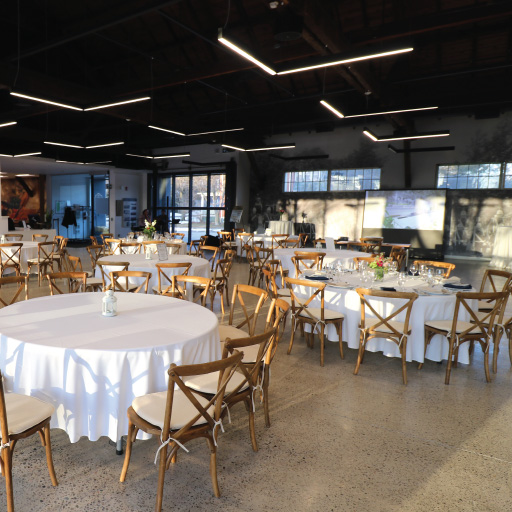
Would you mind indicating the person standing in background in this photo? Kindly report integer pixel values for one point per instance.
(144, 216)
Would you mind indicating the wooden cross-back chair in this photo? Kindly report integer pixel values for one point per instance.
(106, 268)
(120, 281)
(368, 259)
(227, 241)
(209, 253)
(290, 243)
(448, 267)
(43, 261)
(39, 238)
(76, 282)
(494, 281)
(246, 304)
(311, 310)
(93, 283)
(245, 383)
(177, 235)
(398, 254)
(111, 246)
(279, 239)
(22, 416)
(129, 247)
(251, 260)
(303, 239)
(371, 243)
(60, 254)
(21, 281)
(310, 261)
(95, 252)
(193, 249)
(219, 282)
(183, 288)
(179, 415)
(270, 272)
(263, 255)
(165, 274)
(12, 237)
(10, 257)
(385, 325)
(479, 327)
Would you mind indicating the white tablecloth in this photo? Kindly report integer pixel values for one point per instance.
(331, 257)
(433, 307)
(90, 367)
(502, 249)
(279, 227)
(200, 266)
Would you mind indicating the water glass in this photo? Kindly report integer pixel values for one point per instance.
(401, 280)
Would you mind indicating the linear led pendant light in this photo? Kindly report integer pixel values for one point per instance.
(105, 145)
(174, 155)
(27, 154)
(236, 148)
(166, 130)
(425, 135)
(83, 147)
(216, 131)
(10, 123)
(236, 47)
(108, 105)
(341, 115)
(42, 100)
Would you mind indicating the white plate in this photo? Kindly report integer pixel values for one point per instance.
(432, 291)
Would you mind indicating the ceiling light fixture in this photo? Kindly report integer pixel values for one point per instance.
(105, 145)
(9, 156)
(68, 162)
(8, 124)
(108, 105)
(232, 147)
(62, 144)
(426, 135)
(237, 49)
(27, 154)
(139, 156)
(335, 60)
(216, 131)
(174, 155)
(42, 100)
(287, 146)
(166, 130)
(331, 108)
(392, 112)
(102, 162)
(24, 175)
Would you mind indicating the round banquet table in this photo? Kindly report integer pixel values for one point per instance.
(28, 251)
(331, 257)
(90, 367)
(344, 299)
(200, 266)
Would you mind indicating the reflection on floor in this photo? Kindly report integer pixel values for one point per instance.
(337, 442)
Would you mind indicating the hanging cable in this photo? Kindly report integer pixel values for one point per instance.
(227, 17)
(19, 48)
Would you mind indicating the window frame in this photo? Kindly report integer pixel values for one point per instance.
(475, 176)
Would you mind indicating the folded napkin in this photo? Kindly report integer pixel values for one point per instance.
(388, 289)
(456, 286)
(317, 278)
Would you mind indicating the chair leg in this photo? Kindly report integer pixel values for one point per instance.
(449, 365)
(403, 349)
(161, 478)
(7, 472)
(497, 335)
(49, 458)
(485, 348)
(294, 327)
(213, 467)
(252, 428)
(266, 377)
(132, 432)
(322, 343)
(339, 329)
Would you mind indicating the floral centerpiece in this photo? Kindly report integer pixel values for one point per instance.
(380, 265)
(281, 211)
(150, 229)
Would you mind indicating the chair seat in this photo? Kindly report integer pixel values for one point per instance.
(399, 326)
(283, 292)
(24, 412)
(34, 261)
(446, 325)
(231, 332)
(317, 313)
(152, 409)
(156, 291)
(208, 382)
(94, 281)
(483, 305)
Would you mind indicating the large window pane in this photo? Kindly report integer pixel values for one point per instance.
(199, 191)
(181, 193)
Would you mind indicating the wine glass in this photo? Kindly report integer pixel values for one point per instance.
(401, 280)
(413, 269)
(439, 275)
(393, 267)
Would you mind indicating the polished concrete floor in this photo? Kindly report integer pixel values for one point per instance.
(337, 442)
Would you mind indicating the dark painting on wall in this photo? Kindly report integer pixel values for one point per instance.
(21, 198)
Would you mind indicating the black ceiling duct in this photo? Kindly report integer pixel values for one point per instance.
(288, 26)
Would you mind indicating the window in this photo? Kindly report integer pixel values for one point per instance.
(473, 176)
(335, 180)
(507, 182)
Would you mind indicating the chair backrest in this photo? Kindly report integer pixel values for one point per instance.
(368, 259)
(225, 236)
(44, 253)
(39, 238)
(95, 252)
(311, 261)
(496, 280)
(249, 299)
(129, 247)
(480, 322)
(77, 281)
(21, 281)
(173, 248)
(194, 247)
(371, 243)
(290, 243)
(164, 275)
(106, 268)
(14, 237)
(278, 240)
(245, 238)
(301, 305)
(263, 255)
(178, 235)
(438, 264)
(222, 269)
(116, 277)
(229, 254)
(103, 236)
(111, 245)
(303, 238)
(385, 321)
(398, 254)
(276, 318)
(10, 255)
(75, 264)
(180, 290)
(225, 368)
(208, 252)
